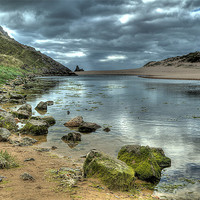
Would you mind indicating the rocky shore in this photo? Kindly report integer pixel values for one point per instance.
(38, 173)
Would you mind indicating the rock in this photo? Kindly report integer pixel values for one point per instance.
(88, 127)
(115, 174)
(107, 129)
(78, 69)
(50, 103)
(22, 141)
(4, 134)
(72, 137)
(7, 121)
(26, 177)
(26, 107)
(147, 162)
(29, 159)
(43, 149)
(35, 127)
(75, 122)
(41, 106)
(22, 114)
(48, 119)
(54, 147)
(17, 96)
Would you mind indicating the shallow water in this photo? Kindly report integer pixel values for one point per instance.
(158, 113)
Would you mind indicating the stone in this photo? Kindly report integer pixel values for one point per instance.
(88, 127)
(48, 119)
(78, 69)
(4, 134)
(72, 137)
(50, 103)
(35, 127)
(17, 96)
(7, 121)
(115, 174)
(75, 122)
(26, 107)
(147, 162)
(29, 159)
(26, 177)
(22, 141)
(107, 129)
(41, 106)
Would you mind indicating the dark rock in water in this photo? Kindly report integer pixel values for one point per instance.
(88, 127)
(147, 162)
(26, 177)
(50, 103)
(7, 121)
(78, 69)
(106, 129)
(72, 137)
(75, 122)
(4, 134)
(42, 106)
(35, 127)
(54, 147)
(114, 173)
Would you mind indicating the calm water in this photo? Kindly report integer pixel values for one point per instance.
(158, 113)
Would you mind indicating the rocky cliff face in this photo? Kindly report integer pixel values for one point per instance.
(32, 61)
(191, 60)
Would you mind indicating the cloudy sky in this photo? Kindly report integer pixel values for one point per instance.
(104, 34)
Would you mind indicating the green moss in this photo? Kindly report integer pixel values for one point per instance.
(7, 161)
(29, 128)
(114, 174)
(147, 162)
(6, 124)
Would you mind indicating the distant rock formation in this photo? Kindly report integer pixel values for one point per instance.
(78, 69)
(191, 60)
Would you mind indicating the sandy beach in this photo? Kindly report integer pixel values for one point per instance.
(158, 72)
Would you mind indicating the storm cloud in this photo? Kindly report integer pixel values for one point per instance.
(104, 34)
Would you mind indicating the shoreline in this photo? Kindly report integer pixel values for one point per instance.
(159, 72)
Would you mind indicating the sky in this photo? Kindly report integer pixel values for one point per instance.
(104, 34)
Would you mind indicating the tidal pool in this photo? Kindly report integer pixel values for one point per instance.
(158, 113)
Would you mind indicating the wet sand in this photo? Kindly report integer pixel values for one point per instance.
(157, 72)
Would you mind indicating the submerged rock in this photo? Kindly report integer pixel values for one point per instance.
(35, 127)
(75, 122)
(4, 134)
(72, 137)
(147, 162)
(42, 106)
(114, 173)
(88, 127)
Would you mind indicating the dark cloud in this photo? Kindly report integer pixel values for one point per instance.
(104, 34)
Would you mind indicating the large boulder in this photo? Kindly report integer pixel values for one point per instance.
(147, 162)
(4, 134)
(7, 121)
(17, 98)
(115, 174)
(72, 137)
(35, 127)
(75, 122)
(88, 127)
(48, 119)
(42, 106)
(24, 112)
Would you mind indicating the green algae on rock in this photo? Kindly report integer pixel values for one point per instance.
(147, 162)
(35, 127)
(7, 121)
(115, 174)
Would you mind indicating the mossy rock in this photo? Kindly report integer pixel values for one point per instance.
(147, 162)
(7, 121)
(35, 127)
(48, 119)
(115, 174)
(22, 114)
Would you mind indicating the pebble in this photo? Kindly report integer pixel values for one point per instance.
(29, 159)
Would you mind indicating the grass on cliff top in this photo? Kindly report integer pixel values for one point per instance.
(7, 73)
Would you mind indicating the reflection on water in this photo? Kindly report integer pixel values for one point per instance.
(158, 113)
